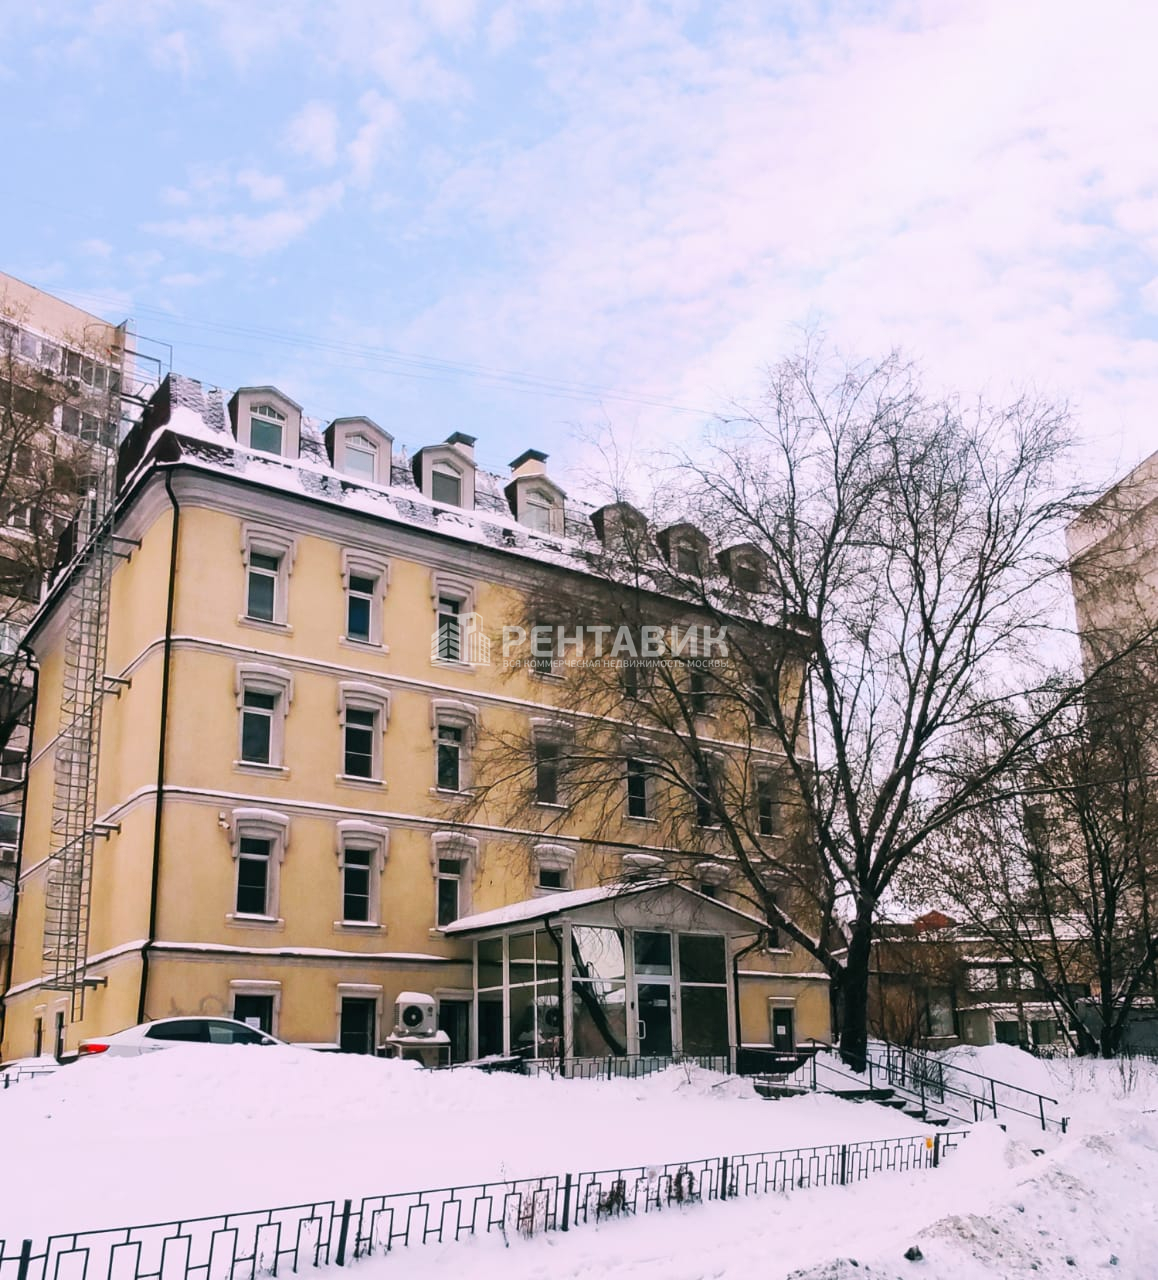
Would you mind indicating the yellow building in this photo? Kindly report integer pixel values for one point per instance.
(299, 670)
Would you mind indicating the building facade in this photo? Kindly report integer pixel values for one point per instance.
(301, 670)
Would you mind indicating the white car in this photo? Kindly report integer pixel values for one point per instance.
(166, 1032)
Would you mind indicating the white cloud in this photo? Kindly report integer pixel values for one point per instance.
(262, 187)
(971, 181)
(381, 120)
(252, 235)
(313, 133)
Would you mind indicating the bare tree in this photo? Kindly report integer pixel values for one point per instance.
(887, 565)
(43, 470)
(1060, 874)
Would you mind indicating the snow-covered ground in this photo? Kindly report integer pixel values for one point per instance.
(205, 1130)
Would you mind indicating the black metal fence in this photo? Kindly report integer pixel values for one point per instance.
(245, 1245)
(625, 1066)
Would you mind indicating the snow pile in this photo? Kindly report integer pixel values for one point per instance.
(199, 1130)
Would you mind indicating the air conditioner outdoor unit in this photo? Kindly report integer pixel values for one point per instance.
(414, 1015)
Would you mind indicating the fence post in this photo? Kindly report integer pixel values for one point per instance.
(993, 1096)
(843, 1163)
(25, 1260)
(723, 1177)
(869, 1059)
(566, 1202)
(936, 1150)
(1041, 1108)
(342, 1232)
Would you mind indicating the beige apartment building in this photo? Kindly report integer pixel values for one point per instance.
(300, 668)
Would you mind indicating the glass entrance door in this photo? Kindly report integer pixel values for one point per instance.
(655, 1018)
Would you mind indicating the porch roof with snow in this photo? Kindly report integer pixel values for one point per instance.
(653, 905)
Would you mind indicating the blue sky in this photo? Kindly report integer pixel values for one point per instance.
(536, 220)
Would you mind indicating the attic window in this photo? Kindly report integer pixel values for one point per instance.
(446, 485)
(746, 576)
(687, 558)
(361, 457)
(266, 429)
(540, 510)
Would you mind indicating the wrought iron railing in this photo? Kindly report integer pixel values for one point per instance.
(231, 1246)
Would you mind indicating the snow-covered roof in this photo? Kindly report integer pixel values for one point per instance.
(555, 904)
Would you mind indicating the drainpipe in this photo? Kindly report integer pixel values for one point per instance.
(158, 809)
(30, 658)
(746, 951)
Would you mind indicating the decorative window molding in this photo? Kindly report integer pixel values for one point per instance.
(362, 848)
(257, 868)
(454, 726)
(458, 637)
(454, 863)
(453, 464)
(264, 694)
(554, 868)
(365, 579)
(267, 989)
(268, 556)
(363, 715)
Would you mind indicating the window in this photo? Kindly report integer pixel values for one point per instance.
(698, 691)
(449, 629)
(361, 729)
(554, 868)
(37, 1037)
(268, 556)
(254, 1010)
(746, 575)
(761, 704)
(364, 577)
(361, 860)
(364, 709)
(257, 714)
(356, 865)
(450, 739)
(454, 724)
(687, 558)
(259, 838)
(546, 772)
(253, 878)
(543, 648)
(266, 429)
(639, 788)
(446, 485)
(261, 595)
(704, 803)
(263, 695)
(449, 886)
(540, 511)
(361, 457)
(359, 607)
(767, 806)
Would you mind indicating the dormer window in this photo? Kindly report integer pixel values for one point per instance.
(267, 421)
(267, 430)
(360, 449)
(687, 558)
(361, 457)
(446, 485)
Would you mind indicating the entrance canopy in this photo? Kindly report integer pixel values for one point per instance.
(614, 971)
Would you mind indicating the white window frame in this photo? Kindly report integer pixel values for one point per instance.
(259, 824)
(363, 697)
(380, 442)
(549, 731)
(553, 857)
(361, 564)
(448, 469)
(766, 778)
(463, 849)
(457, 715)
(258, 987)
(262, 540)
(354, 833)
(258, 677)
(267, 414)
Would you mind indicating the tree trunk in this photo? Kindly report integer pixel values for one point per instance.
(855, 996)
